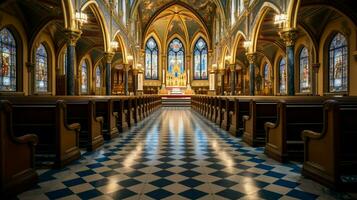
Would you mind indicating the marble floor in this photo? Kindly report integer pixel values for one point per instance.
(177, 154)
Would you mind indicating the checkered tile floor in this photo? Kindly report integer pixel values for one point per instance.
(177, 154)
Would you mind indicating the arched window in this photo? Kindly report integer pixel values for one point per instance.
(304, 67)
(338, 64)
(7, 61)
(282, 76)
(124, 11)
(64, 54)
(84, 77)
(41, 69)
(98, 79)
(151, 59)
(267, 78)
(200, 53)
(176, 58)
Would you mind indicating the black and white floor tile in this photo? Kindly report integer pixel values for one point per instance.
(177, 154)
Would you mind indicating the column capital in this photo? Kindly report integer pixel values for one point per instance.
(252, 57)
(72, 36)
(289, 36)
(315, 67)
(232, 67)
(126, 67)
(221, 71)
(135, 71)
(109, 56)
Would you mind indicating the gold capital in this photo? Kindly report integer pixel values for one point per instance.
(252, 57)
(72, 36)
(109, 57)
(289, 37)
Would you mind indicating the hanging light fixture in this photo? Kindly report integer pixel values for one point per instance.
(280, 19)
(247, 44)
(81, 17)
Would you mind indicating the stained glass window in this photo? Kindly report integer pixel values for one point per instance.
(176, 58)
(7, 61)
(84, 77)
(338, 64)
(98, 76)
(41, 69)
(233, 11)
(151, 59)
(200, 60)
(305, 83)
(267, 77)
(282, 76)
(64, 61)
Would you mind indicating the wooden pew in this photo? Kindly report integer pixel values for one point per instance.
(283, 138)
(16, 156)
(105, 108)
(233, 106)
(83, 111)
(225, 113)
(260, 111)
(58, 141)
(330, 155)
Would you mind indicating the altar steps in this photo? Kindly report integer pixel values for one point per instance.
(176, 101)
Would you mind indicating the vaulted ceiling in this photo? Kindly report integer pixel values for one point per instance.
(148, 9)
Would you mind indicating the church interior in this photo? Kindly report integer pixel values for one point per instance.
(178, 99)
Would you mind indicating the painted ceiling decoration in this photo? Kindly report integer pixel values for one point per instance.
(149, 8)
(176, 19)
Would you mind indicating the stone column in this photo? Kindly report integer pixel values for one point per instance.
(31, 70)
(108, 75)
(72, 38)
(315, 72)
(233, 79)
(135, 80)
(221, 74)
(126, 77)
(289, 38)
(252, 57)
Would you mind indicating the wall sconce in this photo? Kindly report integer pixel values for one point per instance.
(130, 57)
(247, 44)
(114, 44)
(280, 19)
(82, 18)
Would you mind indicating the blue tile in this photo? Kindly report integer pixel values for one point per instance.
(89, 194)
(265, 194)
(301, 195)
(95, 165)
(275, 174)
(285, 183)
(189, 166)
(135, 173)
(159, 194)
(164, 166)
(265, 167)
(163, 173)
(225, 183)
(59, 193)
(102, 159)
(85, 173)
(129, 182)
(191, 183)
(122, 194)
(230, 194)
(220, 174)
(193, 194)
(161, 182)
(256, 160)
(189, 173)
(109, 173)
(100, 182)
(216, 166)
(73, 182)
